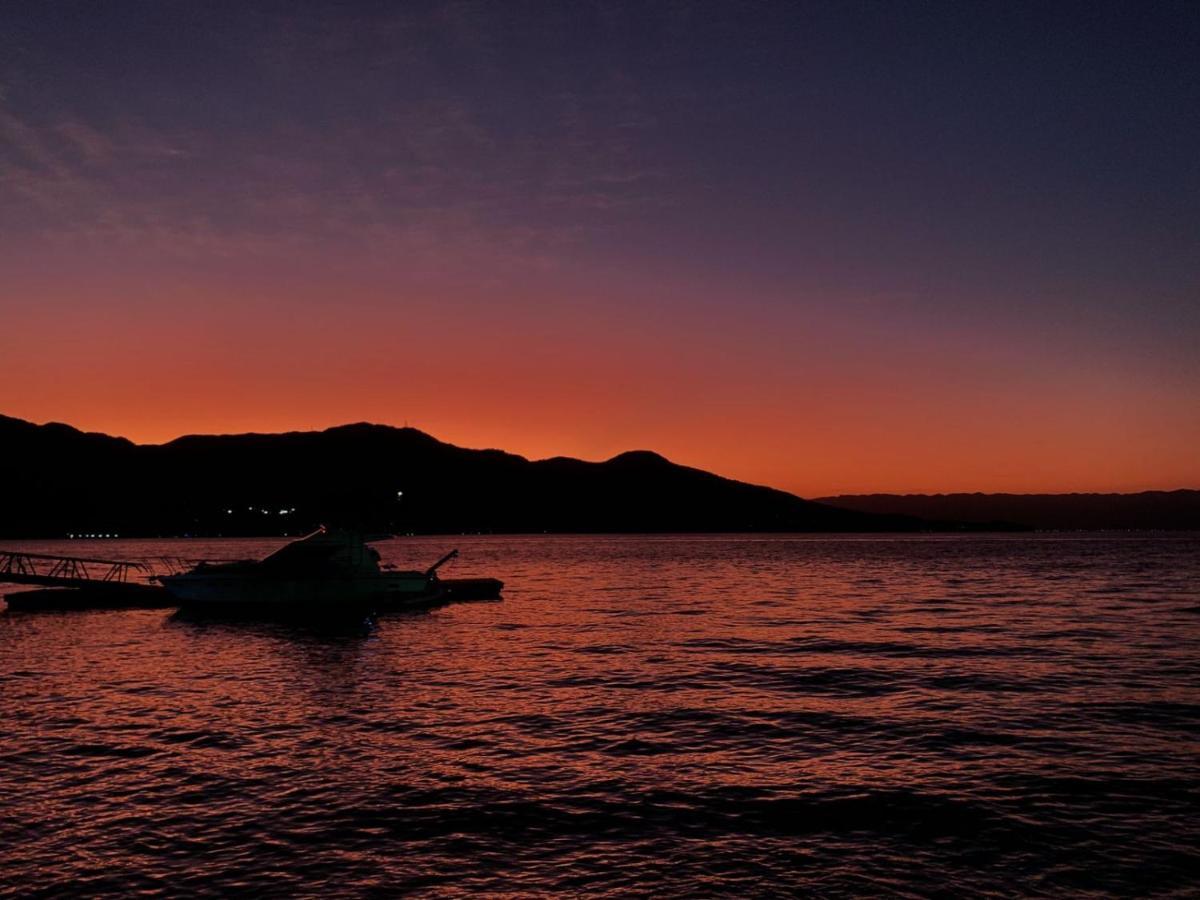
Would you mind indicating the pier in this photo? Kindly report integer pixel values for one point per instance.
(77, 582)
(69, 571)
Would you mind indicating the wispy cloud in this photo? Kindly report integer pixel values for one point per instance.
(381, 132)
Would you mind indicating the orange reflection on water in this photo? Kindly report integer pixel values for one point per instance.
(733, 703)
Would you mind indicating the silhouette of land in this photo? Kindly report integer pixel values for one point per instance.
(63, 481)
(1176, 510)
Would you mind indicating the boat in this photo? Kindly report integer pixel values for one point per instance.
(329, 570)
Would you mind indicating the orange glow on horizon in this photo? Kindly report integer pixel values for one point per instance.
(851, 409)
(718, 237)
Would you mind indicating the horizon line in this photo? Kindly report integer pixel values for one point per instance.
(413, 428)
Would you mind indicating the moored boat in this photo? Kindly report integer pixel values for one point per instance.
(327, 571)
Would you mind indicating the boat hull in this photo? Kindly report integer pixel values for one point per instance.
(232, 590)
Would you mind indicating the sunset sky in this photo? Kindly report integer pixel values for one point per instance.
(830, 247)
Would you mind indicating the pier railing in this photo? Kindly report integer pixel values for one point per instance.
(67, 571)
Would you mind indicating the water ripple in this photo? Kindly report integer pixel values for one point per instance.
(744, 716)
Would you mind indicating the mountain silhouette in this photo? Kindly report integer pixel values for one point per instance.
(64, 481)
(1176, 510)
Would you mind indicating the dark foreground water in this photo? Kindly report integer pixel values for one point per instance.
(695, 715)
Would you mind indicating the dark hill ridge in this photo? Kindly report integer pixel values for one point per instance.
(1177, 510)
(65, 481)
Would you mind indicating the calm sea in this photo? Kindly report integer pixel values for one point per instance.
(747, 716)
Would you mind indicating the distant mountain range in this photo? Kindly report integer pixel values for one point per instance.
(60, 481)
(1146, 510)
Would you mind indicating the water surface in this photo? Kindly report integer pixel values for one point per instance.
(677, 715)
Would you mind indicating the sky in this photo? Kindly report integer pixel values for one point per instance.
(830, 247)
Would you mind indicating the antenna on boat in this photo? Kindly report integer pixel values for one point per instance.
(432, 570)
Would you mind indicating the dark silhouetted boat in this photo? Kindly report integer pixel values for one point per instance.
(328, 571)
